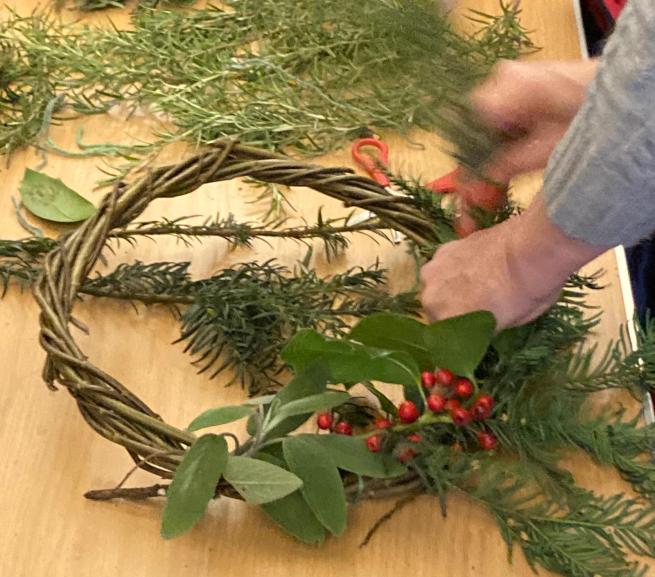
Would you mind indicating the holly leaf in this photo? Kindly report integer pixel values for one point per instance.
(311, 404)
(351, 454)
(394, 332)
(50, 199)
(322, 486)
(219, 416)
(292, 513)
(350, 362)
(193, 485)
(460, 343)
(260, 482)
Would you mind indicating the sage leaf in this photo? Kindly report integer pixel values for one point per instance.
(351, 454)
(322, 486)
(219, 416)
(394, 332)
(193, 485)
(460, 343)
(310, 381)
(50, 199)
(258, 481)
(311, 404)
(292, 513)
(350, 362)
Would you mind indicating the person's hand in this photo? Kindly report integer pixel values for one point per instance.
(534, 103)
(515, 270)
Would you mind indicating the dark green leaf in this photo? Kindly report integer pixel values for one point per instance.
(260, 482)
(385, 402)
(49, 198)
(219, 416)
(350, 362)
(194, 485)
(322, 486)
(396, 333)
(459, 343)
(311, 404)
(351, 454)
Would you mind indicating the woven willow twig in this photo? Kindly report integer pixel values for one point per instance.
(106, 405)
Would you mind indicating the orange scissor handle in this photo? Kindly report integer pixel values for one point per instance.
(373, 166)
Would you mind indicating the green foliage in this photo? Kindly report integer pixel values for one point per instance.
(322, 485)
(219, 416)
(260, 482)
(320, 72)
(49, 198)
(194, 485)
(460, 343)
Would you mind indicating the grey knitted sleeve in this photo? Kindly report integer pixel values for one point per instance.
(599, 185)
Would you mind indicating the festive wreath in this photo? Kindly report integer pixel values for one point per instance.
(483, 413)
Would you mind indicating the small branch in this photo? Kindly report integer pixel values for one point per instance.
(387, 517)
(131, 494)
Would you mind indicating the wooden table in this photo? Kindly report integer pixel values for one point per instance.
(50, 456)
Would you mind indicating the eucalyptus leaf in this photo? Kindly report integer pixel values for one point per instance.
(258, 481)
(394, 332)
(350, 362)
(460, 343)
(351, 454)
(50, 199)
(311, 404)
(219, 416)
(194, 485)
(322, 486)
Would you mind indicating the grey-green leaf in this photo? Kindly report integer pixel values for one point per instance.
(292, 513)
(194, 485)
(394, 332)
(50, 199)
(322, 486)
(219, 416)
(351, 454)
(260, 482)
(311, 404)
(460, 343)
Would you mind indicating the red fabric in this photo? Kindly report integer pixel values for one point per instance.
(615, 6)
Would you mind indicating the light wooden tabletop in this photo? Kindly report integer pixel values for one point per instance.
(50, 457)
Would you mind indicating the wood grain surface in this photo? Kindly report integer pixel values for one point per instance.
(50, 457)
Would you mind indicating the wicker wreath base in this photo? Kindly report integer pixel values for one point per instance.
(107, 405)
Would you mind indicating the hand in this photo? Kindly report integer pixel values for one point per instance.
(536, 102)
(515, 270)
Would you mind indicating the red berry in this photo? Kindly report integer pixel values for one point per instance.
(487, 441)
(428, 379)
(444, 377)
(460, 416)
(383, 423)
(324, 421)
(343, 428)
(406, 455)
(408, 412)
(436, 403)
(452, 404)
(415, 438)
(374, 443)
(463, 388)
(482, 407)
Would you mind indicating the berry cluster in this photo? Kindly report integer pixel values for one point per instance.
(447, 394)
